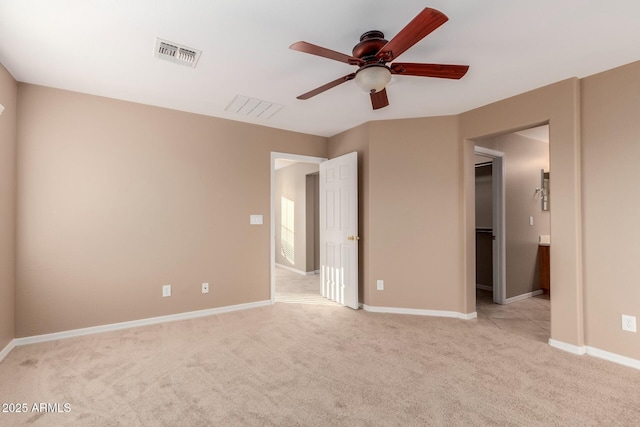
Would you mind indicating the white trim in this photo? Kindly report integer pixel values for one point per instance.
(523, 296)
(420, 312)
(596, 352)
(499, 173)
(574, 349)
(612, 357)
(488, 152)
(7, 349)
(295, 270)
(276, 155)
(135, 323)
(484, 287)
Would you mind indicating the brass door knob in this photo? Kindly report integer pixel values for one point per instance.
(353, 238)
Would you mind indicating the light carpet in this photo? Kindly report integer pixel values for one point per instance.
(316, 365)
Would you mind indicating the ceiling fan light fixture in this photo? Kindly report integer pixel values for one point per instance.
(373, 78)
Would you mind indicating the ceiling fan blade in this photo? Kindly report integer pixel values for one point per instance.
(327, 86)
(422, 25)
(442, 71)
(325, 53)
(379, 99)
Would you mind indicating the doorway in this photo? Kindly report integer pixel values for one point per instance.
(490, 223)
(337, 228)
(294, 228)
(520, 215)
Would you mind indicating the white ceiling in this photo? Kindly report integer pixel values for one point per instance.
(105, 47)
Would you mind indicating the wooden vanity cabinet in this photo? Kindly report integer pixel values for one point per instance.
(545, 275)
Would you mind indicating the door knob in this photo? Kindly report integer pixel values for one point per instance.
(353, 238)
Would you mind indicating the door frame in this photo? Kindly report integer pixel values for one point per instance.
(272, 251)
(498, 168)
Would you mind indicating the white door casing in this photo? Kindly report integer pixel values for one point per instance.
(499, 231)
(339, 229)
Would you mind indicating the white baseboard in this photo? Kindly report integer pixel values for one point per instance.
(523, 296)
(596, 352)
(7, 349)
(135, 323)
(571, 348)
(484, 287)
(612, 357)
(420, 312)
(295, 270)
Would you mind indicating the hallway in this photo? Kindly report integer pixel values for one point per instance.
(529, 317)
(294, 288)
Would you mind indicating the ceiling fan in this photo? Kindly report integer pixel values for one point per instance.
(373, 53)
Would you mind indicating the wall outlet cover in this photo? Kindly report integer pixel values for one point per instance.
(628, 323)
(380, 285)
(205, 288)
(166, 291)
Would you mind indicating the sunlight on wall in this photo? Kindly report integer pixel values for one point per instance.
(287, 229)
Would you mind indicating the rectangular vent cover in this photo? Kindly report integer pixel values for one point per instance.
(176, 53)
(253, 107)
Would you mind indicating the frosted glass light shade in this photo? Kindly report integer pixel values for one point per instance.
(373, 78)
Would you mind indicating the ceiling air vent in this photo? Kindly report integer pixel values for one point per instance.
(253, 107)
(176, 53)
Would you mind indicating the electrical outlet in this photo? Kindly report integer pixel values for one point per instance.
(166, 290)
(628, 323)
(380, 285)
(205, 288)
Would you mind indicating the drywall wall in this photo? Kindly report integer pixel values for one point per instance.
(313, 221)
(611, 203)
(117, 199)
(409, 202)
(291, 183)
(414, 204)
(8, 96)
(357, 139)
(559, 105)
(524, 160)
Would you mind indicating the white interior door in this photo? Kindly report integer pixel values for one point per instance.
(339, 229)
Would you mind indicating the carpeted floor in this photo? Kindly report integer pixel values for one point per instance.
(316, 365)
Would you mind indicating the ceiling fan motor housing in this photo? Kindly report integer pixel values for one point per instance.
(370, 43)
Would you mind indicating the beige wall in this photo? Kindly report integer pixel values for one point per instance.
(117, 199)
(406, 204)
(524, 160)
(611, 171)
(313, 221)
(558, 104)
(291, 182)
(414, 233)
(8, 97)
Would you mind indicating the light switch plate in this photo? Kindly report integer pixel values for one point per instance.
(255, 219)
(380, 285)
(166, 290)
